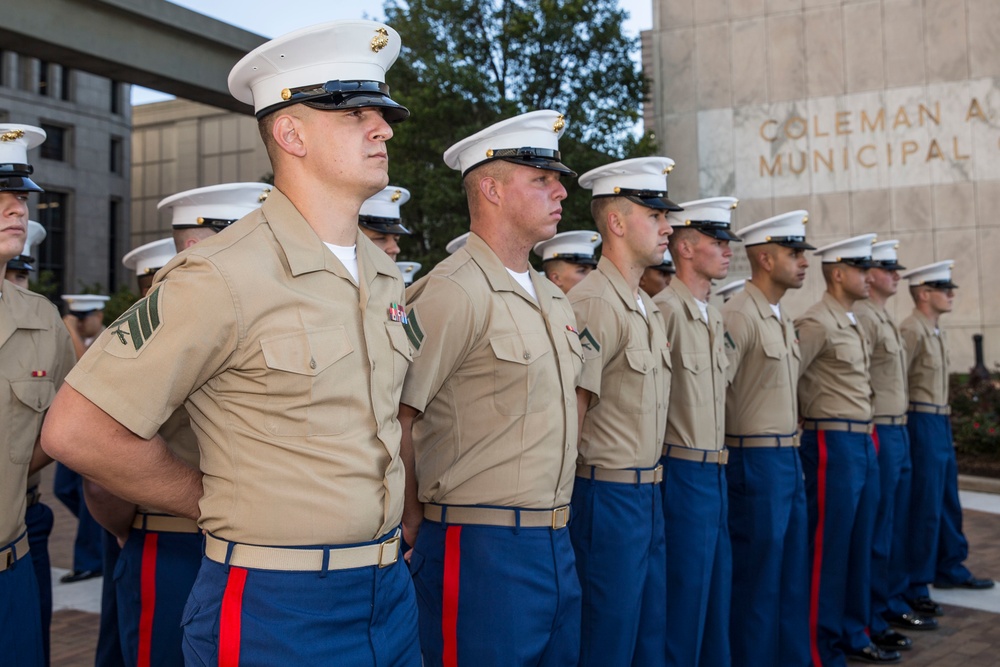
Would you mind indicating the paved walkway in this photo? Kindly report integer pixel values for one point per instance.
(969, 635)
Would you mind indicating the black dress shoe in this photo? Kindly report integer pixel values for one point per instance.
(890, 640)
(911, 621)
(971, 583)
(924, 606)
(79, 575)
(874, 655)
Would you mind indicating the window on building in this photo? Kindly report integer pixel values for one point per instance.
(3, 69)
(52, 213)
(116, 97)
(114, 223)
(54, 147)
(116, 155)
(65, 92)
(43, 77)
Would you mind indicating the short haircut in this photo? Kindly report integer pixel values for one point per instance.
(600, 206)
(498, 170)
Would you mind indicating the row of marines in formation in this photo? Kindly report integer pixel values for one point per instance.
(586, 475)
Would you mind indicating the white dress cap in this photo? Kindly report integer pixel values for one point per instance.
(575, 247)
(642, 180)
(787, 229)
(335, 65)
(457, 243)
(531, 139)
(15, 142)
(713, 217)
(729, 290)
(409, 271)
(380, 212)
(856, 251)
(937, 274)
(884, 256)
(151, 257)
(85, 303)
(215, 206)
(667, 264)
(25, 261)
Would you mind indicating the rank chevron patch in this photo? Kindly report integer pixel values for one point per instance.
(137, 324)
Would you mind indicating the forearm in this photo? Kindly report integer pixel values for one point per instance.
(39, 459)
(109, 510)
(582, 402)
(145, 472)
(413, 509)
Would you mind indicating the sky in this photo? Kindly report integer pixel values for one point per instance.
(270, 19)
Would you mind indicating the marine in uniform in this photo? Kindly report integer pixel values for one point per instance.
(937, 548)
(381, 221)
(35, 356)
(767, 497)
(490, 403)
(37, 515)
(699, 558)
(409, 271)
(838, 455)
(568, 257)
(892, 444)
(617, 510)
(730, 289)
(655, 278)
(201, 213)
(283, 337)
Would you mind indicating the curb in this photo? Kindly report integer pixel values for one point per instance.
(981, 484)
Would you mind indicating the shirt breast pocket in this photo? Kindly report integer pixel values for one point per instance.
(696, 389)
(306, 394)
(31, 398)
(637, 393)
(518, 366)
(775, 368)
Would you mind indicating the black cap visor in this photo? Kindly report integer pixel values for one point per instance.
(216, 224)
(941, 284)
(344, 95)
(796, 242)
(666, 267)
(656, 199)
(713, 228)
(14, 178)
(21, 263)
(856, 262)
(573, 258)
(528, 156)
(887, 264)
(383, 225)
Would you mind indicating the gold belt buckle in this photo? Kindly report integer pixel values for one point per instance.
(657, 474)
(560, 517)
(393, 544)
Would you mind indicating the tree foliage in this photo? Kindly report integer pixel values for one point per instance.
(466, 64)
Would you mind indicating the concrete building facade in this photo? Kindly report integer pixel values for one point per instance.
(874, 115)
(83, 166)
(178, 145)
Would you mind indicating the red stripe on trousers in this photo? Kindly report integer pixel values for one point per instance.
(875, 439)
(229, 623)
(449, 595)
(147, 599)
(817, 549)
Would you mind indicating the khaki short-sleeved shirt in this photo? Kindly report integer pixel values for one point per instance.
(697, 414)
(888, 358)
(764, 356)
(627, 368)
(290, 373)
(495, 376)
(835, 381)
(927, 357)
(35, 356)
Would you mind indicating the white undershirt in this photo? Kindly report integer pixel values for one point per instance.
(642, 306)
(524, 280)
(850, 316)
(703, 307)
(777, 309)
(348, 256)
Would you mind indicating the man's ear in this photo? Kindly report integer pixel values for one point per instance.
(289, 134)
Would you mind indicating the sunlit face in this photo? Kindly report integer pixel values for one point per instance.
(654, 281)
(13, 224)
(942, 299)
(646, 233)
(532, 202)
(565, 275)
(348, 147)
(711, 256)
(790, 266)
(388, 243)
(856, 281)
(885, 282)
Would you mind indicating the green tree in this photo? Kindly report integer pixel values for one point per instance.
(466, 64)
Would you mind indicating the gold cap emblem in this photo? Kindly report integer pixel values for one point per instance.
(668, 170)
(201, 221)
(263, 195)
(11, 135)
(805, 219)
(735, 204)
(594, 238)
(489, 152)
(617, 190)
(396, 195)
(286, 94)
(559, 124)
(380, 40)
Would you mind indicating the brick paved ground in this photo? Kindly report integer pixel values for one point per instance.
(967, 638)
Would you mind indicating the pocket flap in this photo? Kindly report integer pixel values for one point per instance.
(520, 348)
(398, 338)
(306, 352)
(641, 361)
(36, 393)
(775, 350)
(695, 362)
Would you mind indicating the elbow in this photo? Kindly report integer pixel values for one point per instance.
(57, 437)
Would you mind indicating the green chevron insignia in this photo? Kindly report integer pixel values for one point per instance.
(413, 330)
(589, 343)
(138, 323)
(729, 342)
